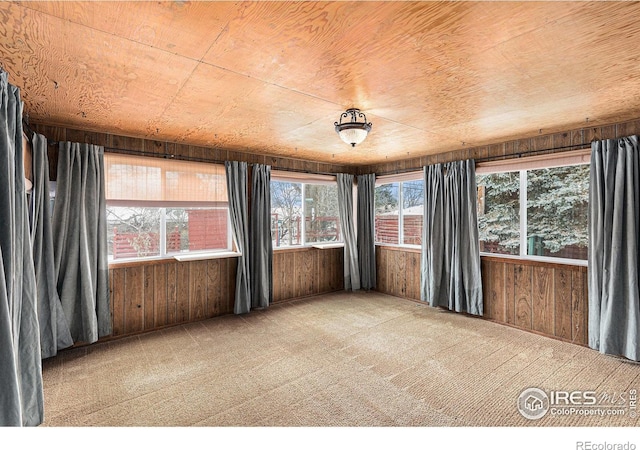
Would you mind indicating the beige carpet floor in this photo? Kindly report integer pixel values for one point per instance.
(362, 359)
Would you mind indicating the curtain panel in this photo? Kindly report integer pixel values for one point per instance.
(54, 330)
(260, 243)
(345, 210)
(366, 231)
(21, 394)
(238, 210)
(614, 248)
(450, 262)
(79, 229)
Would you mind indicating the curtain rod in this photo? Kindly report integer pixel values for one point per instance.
(124, 151)
(533, 152)
(503, 157)
(216, 161)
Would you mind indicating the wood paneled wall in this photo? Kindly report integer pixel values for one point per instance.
(307, 271)
(550, 299)
(545, 298)
(149, 295)
(171, 149)
(544, 143)
(398, 271)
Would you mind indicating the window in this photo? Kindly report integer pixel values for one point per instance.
(158, 208)
(535, 211)
(321, 216)
(387, 213)
(399, 209)
(304, 212)
(499, 212)
(557, 212)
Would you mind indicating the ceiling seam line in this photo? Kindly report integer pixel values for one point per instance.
(199, 61)
(190, 58)
(114, 35)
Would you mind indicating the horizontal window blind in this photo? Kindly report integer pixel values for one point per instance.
(148, 180)
(395, 178)
(301, 177)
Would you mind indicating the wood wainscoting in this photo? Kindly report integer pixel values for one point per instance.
(148, 295)
(300, 272)
(398, 271)
(151, 295)
(545, 298)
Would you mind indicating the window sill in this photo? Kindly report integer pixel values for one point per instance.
(326, 246)
(543, 260)
(170, 258)
(398, 247)
(139, 261)
(201, 256)
(307, 247)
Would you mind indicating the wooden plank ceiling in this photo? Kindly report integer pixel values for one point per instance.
(272, 77)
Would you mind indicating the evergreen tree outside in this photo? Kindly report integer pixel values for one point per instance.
(557, 211)
(557, 208)
(386, 198)
(499, 212)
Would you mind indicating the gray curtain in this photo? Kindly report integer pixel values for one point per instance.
(21, 395)
(450, 262)
(54, 330)
(237, 190)
(80, 241)
(260, 244)
(614, 249)
(345, 209)
(366, 230)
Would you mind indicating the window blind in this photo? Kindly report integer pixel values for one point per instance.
(144, 179)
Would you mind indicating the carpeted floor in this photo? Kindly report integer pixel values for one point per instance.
(361, 359)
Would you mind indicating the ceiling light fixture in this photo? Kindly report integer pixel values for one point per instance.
(353, 132)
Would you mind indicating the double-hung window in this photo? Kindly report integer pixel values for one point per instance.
(304, 209)
(160, 208)
(399, 209)
(535, 207)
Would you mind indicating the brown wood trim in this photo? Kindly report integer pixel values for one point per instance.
(166, 149)
(548, 143)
